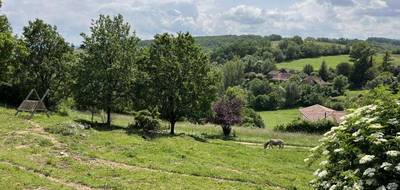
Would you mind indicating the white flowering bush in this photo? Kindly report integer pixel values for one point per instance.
(363, 152)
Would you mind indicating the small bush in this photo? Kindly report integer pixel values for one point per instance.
(67, 129)
(146, 121)
(321, 126)
(252, 119)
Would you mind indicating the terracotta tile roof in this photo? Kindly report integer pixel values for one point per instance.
(281, 75)
(312, 80)
(318, 112)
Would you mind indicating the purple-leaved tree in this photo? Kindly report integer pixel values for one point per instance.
(228, 113)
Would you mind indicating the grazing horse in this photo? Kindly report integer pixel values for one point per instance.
(274, 142)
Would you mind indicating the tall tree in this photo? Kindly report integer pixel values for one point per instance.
(308, 69)
(233, 71)
(344, 69)
(182, 83)
(48, 62)
(361, 55)
(107, 69)
(387, 61)
(323, 71)
(228, 112)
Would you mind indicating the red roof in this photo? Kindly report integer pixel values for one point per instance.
(318, 112)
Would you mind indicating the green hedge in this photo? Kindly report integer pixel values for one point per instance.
(321, 126)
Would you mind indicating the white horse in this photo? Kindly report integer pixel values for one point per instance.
(274, 142)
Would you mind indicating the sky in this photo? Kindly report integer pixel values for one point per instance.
(316, 18)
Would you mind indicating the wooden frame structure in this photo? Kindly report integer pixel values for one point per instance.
(32, 106)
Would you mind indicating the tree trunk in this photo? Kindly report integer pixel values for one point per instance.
(109, 117)
(226, 129)
(172, 127)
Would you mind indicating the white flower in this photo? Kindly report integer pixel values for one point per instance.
(355, 134)
(377, 135)
(376, 126)
(393, 153)
(393, 121)
(322, 174)
(316, 172)
(381, 188)
(366, 159)
(370, 172)
(397, 168)
(323, 163)
(347, 188)
(338, 150)
(370, 181)
(392, 186)
(358, 139)
(386, 166)
(333, 187)
(306, 160)
(325, 152)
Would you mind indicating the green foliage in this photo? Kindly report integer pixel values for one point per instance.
(251, 119)
(257, 64)
(107, 68)
(311, 94)
(48, 63)
(363, 152)
(385, 78)
(323, 71)
(387, 61)
(237, 92)
(233, 72)
(266, 102)
(308, 69)
(344, 69)
(292, 94)
(306, 126)
(67, 129)
(259, 87)
(146, 121)
(180, 80)
(340, 84)
(361, 55)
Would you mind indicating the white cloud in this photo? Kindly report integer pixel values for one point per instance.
(328, 18)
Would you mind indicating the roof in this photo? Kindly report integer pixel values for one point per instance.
(279, 75)
(318, 112)
(312, 80)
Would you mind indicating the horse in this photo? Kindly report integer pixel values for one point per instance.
(274, 142)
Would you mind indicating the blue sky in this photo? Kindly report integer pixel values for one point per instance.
(316, 18)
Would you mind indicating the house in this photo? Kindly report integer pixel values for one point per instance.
(315, 80)
(279, 75)
(317, 112)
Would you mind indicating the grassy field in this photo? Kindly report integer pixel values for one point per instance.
(274, 118)
(331, 61)
(298, 65)
(99, 158)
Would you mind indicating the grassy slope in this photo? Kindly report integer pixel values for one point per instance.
(331, 61)
(274, 118)
(118, 160)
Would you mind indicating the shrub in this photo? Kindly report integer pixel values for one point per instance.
(146, 121)
(306, 126)
(228, 112)
(252, 119)
(340, 84)
(67, 129)
(363, 152)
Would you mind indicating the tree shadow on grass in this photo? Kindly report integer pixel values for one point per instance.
(151, 135)
(99, 126)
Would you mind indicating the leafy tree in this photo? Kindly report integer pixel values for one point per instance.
(181, 81)
(237, 92)
(323, 71)
(251, 118)
(387, 61)
(233, 72)
(292, 94)
(48, 62)
(385, 78)
(344, 69)
(107, 68)
(340, 84)
(361, 55)
(259, 87)
(308, 69)
(228, 112)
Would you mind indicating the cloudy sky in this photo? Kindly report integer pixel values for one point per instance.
(317, 18)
